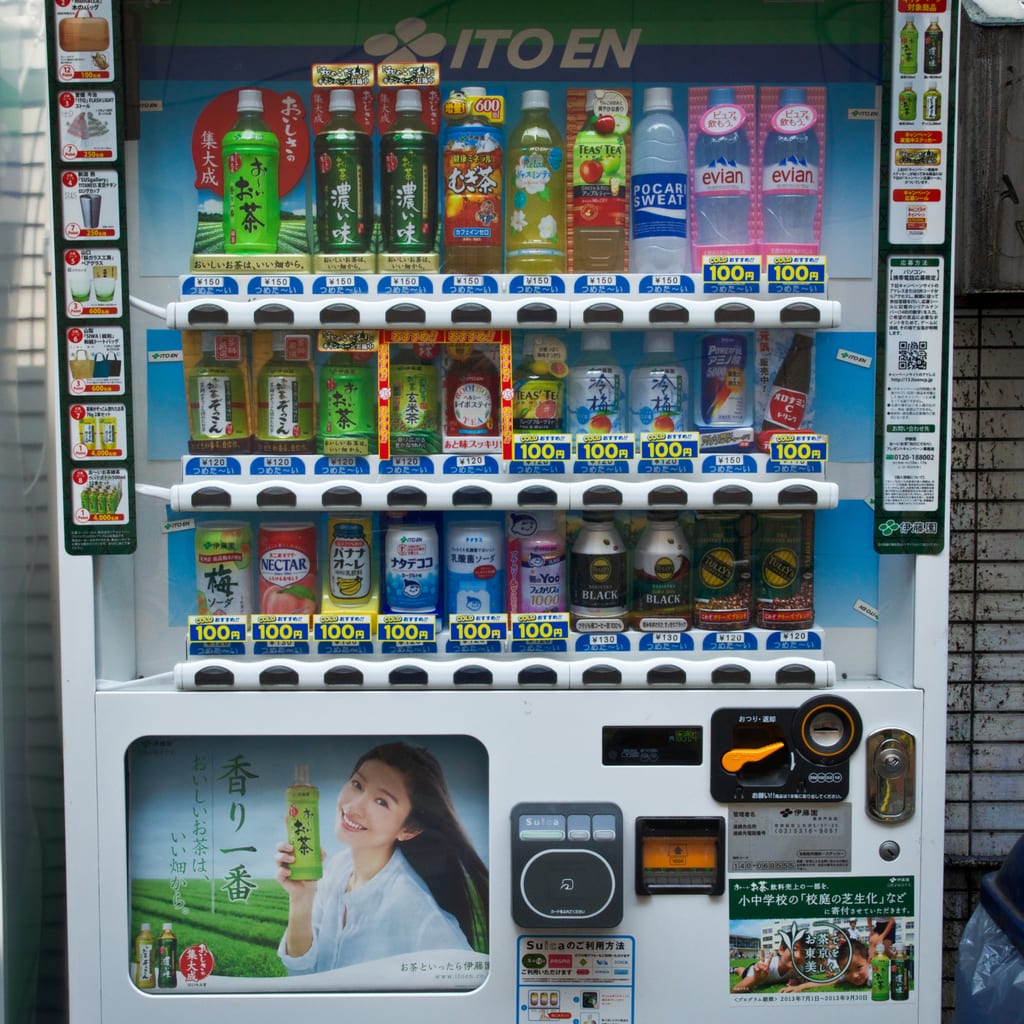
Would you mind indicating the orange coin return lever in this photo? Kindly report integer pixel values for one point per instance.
(735, 760)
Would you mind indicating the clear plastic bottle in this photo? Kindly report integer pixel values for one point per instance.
(535, 194)
(791, 182)
(600, 197)
(538, 383)
(251, 154)
(660, 242)
(721, 173)
(408, 180)
(343, 162)
(597, 388)
(472, 172)
(284, 401)
(218, 402)
(346, 405)
(659, 388)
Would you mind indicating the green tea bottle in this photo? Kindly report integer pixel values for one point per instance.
(145, 960)
(414, 411)
(880, 976)
(899, 980)
(344, 180)
(167, 959)
(218, 406)
(250, 154)
(284, 402)
(347, 406)
(408, 180)
(302, 802)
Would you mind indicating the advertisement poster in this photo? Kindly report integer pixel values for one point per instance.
(821, 940)
(327, 863)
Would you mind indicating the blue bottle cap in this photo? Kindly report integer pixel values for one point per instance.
(792, 94)
(721, 94)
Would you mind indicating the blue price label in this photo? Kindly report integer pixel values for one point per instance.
(530, 449)
(280, 629)
(796, 274)
(612, 448)
(216, 629)
(478, 629)
(540, 628)
(669, 446)
(341, 629)
(406, 629)
(793, 448)
(731, 273)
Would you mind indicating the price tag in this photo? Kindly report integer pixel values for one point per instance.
(540, 628)
(731, 274)
(804, 275)
(478, 629)
(406, 629)
(280, 629)
(799, 448)
(605, 447)
(341, 629)
(217, 629)
(669, 446)
(544, 448)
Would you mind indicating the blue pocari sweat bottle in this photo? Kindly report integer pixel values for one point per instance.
(721, 173)
(791, 181)
(659, 239)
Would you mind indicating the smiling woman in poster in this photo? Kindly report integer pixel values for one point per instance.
(407, 879)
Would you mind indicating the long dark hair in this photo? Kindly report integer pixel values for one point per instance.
(441, 854)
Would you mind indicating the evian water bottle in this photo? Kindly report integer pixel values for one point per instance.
(721, 173)
(791, 183)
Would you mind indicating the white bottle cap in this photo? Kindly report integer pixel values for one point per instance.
(658, 341)
(167, 926)
(409, 99)
(658, 97)
(250, 99)
(145, 927)
(534, 99)
(545, 521)
(342, 99)
(597, 341)
(474, 90)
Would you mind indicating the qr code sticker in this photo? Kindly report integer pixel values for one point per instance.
(913, 355)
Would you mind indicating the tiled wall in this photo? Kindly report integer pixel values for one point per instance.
(985, 756)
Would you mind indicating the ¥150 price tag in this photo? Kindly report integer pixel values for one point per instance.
(799, 448)
(539, 628)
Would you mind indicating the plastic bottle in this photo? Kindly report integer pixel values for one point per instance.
(346, 404)
(343, 161)
(899, 981)
(415, 407)
(472, 394)
(880, 977)
(597, 388)
(251, 153)
(661, 573)
(787, 400)
(791, 182)
(145, 957)
(660, 242)
(908, 48)
(167, 958)
(599, 584)
(284, 399)
(302, 822)
(474, 581)
(538, 405)
(535, 200)
(600, 197)
(542, 568)
(721, 173)
(218, 401)
(408, 180)
(472, 172)
(659, 388)
(933, 49)
(412, 567)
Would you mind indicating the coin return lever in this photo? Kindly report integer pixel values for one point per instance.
(784, 753)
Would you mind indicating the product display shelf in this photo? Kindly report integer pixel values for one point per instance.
(523, 672)
(397, 494)
(245, 308)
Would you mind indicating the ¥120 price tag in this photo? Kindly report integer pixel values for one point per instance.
(799, 448)
(406, 629)
(341, 629)
(540, 628)
(478, 629)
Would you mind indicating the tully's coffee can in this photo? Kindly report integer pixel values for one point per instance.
(721, 577)
(287, 569)
(784, 570)
(224, 568)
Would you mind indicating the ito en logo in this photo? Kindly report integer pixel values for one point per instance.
(410, 42)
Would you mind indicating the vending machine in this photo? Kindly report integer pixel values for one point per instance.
(503, 462)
